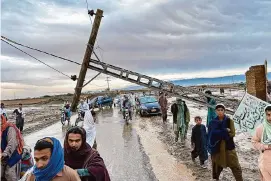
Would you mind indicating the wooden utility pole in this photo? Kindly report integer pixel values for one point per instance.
(84, 66)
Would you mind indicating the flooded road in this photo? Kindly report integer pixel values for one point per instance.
(118, 144)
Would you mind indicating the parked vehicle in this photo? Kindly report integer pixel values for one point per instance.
(104, 101)
(148, 105)
(64, 117)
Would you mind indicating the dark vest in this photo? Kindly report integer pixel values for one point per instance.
(229, 143)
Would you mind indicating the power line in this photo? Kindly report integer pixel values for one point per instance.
(12, 41)
(25, 80)
(36, 59)
(41, 51)
(73, 78)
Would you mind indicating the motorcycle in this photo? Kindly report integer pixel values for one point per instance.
(126, 115)
(64, 118)
(79, 118)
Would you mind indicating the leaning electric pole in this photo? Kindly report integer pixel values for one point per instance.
(87, 56)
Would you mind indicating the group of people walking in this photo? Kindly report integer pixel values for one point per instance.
(217, 137)
(77, 161)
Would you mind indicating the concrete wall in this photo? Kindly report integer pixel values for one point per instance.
(256, 81)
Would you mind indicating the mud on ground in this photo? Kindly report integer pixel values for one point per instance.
(182, 152)
(37, 117)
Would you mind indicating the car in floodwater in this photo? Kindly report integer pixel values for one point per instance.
(148, 106)
(101, 101)
(104, 101)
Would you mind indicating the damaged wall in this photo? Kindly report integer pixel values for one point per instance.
(256, 81)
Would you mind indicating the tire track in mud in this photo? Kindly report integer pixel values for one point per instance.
(164, 166)
(146, 161)
(41, 123)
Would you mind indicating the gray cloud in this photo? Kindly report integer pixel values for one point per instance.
(175, 36)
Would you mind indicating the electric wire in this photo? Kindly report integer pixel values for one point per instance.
(12, 41)
(36, 59)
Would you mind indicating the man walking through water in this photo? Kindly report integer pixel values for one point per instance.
(49, 157)
(221, 145)
(163, 104)
(80, 156)
(262, 142)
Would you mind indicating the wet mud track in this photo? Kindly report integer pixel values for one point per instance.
(118, 144)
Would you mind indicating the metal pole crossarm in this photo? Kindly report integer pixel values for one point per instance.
(157, 84)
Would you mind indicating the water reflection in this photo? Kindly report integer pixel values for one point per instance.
(107, 112)
(127, 132)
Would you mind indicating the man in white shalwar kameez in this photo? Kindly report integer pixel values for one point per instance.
(132, 99)
(90, 128)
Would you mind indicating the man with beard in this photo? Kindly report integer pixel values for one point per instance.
(80, 156)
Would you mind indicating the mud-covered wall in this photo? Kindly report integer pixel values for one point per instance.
(256, 81)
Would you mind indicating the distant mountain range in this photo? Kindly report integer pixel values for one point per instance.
(205, 81)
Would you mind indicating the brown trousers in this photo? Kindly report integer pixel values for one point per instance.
(237, 171)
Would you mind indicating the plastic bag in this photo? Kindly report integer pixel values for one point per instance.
(90, 128)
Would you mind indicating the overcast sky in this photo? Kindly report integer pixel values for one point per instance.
(168, 39)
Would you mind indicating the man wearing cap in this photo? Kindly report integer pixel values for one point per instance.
(262, 142)
(221, 145)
